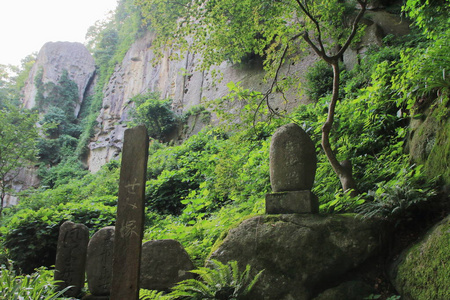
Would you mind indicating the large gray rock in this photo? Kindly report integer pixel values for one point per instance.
(53, 59)
(99, 261)
(163, 264)
(300, 254)
(422, 272)
(293, 160)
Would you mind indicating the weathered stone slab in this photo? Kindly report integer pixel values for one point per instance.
(295, 202)
(71, 257)
(99, 261)
(293, 159)
(130, 216)
(164, 263)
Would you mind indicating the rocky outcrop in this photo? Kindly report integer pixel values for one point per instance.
(53, 59)
(422, 272)
(301, 255)
(25, 179)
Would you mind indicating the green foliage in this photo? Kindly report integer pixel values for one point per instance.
(233, 30)
(63, 94)
(152, 295)
(430, 15)
(18, 136)
(37, 286)
(395, 198)
(62, 173)
(31, 236)
(319, 79)
(422, 74)
(156, 114)
(222, 282)
(29, 230)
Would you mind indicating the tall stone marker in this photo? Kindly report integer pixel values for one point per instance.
(130, 216)
(71, 257)
(293, 164)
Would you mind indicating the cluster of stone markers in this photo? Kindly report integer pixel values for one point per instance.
(163, 262)
(116, 263)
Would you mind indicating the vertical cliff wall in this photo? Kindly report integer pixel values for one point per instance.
(179, 80)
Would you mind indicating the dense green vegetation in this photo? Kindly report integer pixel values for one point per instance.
(197, 190)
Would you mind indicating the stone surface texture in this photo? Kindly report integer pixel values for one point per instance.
(53, 58)
(71, 257)
(293, 160)
(297, 202)
(99, 261)
(300, 254)
(163, 264)
(423, 270)
(350, 290)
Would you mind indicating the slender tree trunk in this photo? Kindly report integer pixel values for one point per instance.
(342, 169)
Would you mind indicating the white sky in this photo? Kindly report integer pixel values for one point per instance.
(26, 25)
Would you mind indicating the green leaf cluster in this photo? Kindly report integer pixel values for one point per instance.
(218, 281)
(155, 113)
(38, 286)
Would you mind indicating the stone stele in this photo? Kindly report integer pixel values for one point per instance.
(99, 261)
(163, 264)
(293, 164)
(71, 257)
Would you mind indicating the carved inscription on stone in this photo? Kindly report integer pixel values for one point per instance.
(71, 257)
(130, 216)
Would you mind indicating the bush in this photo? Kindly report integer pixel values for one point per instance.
(156, 114)
(31, 236)
(319, 80)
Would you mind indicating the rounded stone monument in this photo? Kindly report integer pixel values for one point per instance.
(293, 160)
(293, 164)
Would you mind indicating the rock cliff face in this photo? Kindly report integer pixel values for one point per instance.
(182, 82)
(178, 80)
(53, 59)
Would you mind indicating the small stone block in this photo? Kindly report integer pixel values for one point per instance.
(293, 202)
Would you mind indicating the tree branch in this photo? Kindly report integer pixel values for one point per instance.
(354, 28)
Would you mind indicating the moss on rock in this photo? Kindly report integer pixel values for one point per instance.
(423, 271)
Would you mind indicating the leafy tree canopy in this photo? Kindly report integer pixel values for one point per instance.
(230, 29)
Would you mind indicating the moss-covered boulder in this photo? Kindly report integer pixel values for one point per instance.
(429, 141)
(422, 272)
(301, 255)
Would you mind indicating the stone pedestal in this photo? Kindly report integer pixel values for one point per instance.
(293, 202)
